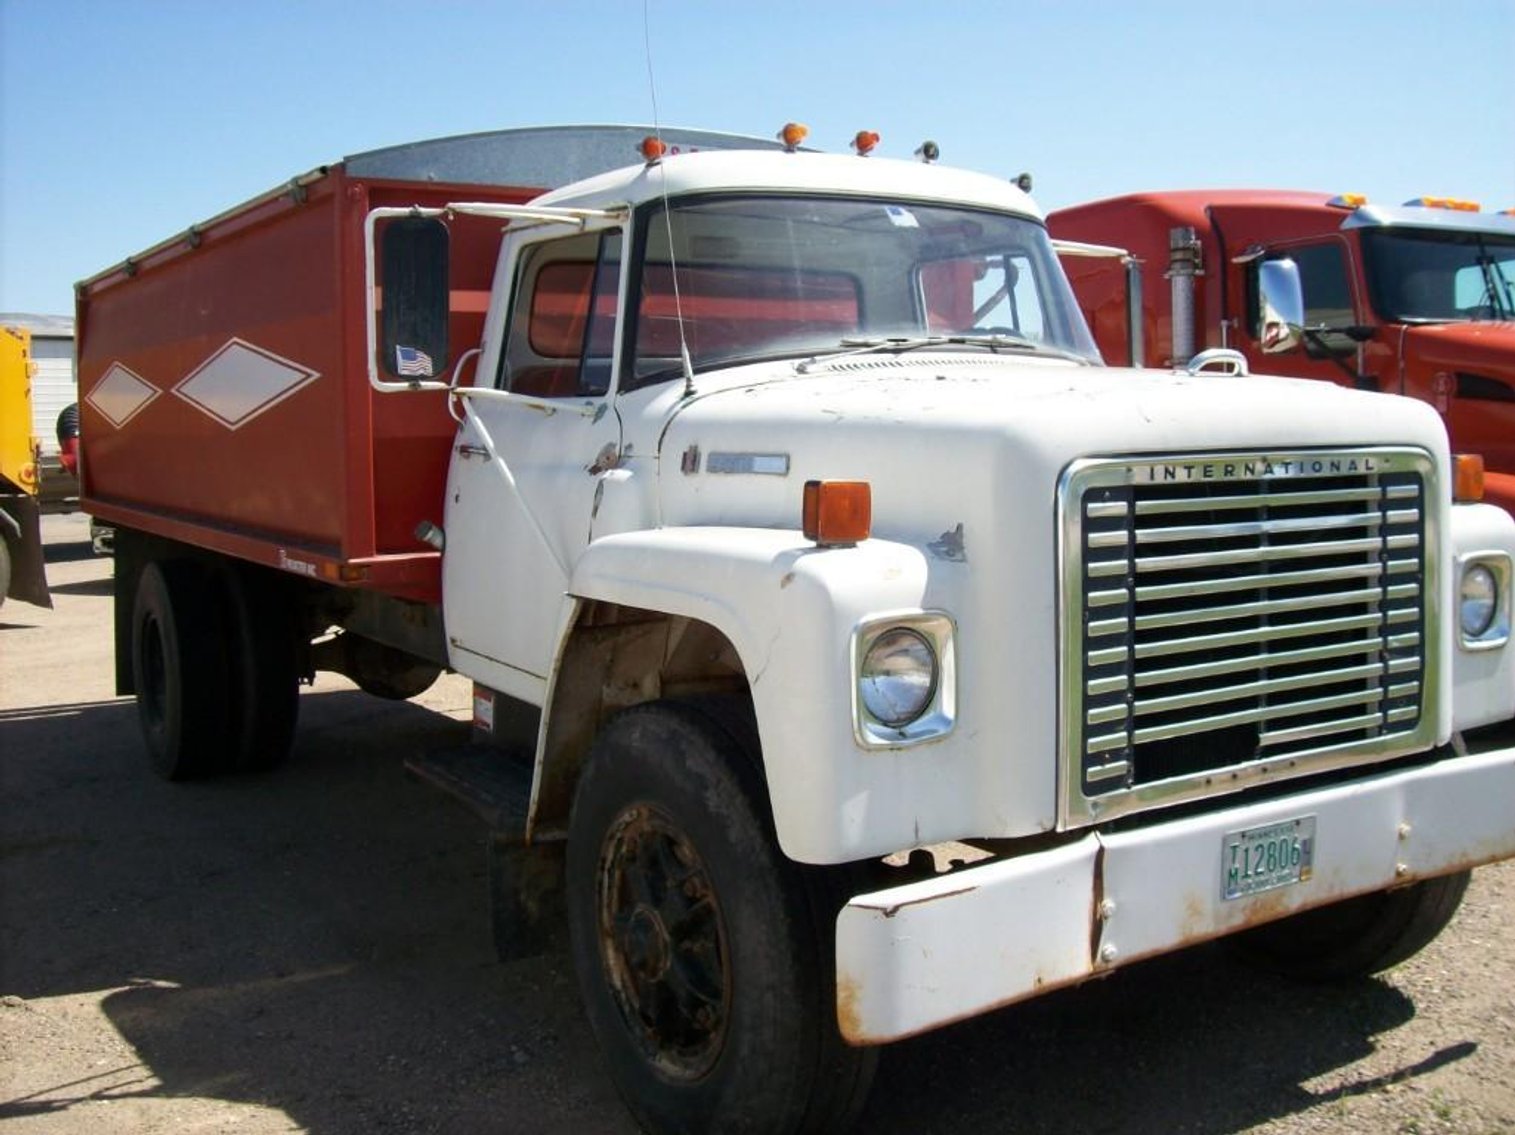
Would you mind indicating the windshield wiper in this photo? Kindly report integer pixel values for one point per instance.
(995, 342)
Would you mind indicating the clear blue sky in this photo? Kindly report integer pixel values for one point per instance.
(124, 121)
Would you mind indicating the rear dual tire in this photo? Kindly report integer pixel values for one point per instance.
(215, 670)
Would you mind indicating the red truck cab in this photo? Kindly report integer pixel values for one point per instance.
(1417, 299)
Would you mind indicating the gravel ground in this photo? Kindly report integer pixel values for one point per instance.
(309, 951)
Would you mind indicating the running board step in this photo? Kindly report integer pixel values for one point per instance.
(488, 780)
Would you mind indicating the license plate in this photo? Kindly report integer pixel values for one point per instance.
(1263, 859)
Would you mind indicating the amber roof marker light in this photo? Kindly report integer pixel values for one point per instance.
(793, 134)
(865, 142)
(652, 149)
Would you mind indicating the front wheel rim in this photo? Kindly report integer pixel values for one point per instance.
(662, 942)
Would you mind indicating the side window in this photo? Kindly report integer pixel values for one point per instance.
(982, 294)
(1327, 287)
(562, 323)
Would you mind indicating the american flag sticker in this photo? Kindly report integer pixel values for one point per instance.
(412, 362)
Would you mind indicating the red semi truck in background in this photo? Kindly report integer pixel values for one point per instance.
(1415, 299)
(853, 653)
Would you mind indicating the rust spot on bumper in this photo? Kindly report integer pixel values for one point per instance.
(848, 1020)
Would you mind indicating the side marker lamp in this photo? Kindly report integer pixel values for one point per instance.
(837, 514)
(1467, 477)
(652, 149)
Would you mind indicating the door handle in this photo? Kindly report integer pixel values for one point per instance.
(468, 450)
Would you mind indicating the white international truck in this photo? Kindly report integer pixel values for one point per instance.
(788, 524)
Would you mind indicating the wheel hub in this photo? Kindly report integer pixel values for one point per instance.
(663, 943)
(645, 945)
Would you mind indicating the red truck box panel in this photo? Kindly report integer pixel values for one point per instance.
(225, 394)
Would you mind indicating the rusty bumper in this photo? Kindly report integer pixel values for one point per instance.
(925, 954)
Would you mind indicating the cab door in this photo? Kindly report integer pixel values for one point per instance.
(527, 461)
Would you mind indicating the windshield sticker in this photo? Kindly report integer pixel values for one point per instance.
(901, 217)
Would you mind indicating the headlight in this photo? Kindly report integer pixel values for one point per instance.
(898, 677)
(1478, 601)
(905, 679)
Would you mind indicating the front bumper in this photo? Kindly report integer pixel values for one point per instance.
(925, 954)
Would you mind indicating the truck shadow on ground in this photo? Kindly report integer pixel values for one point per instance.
(84, 587)
(316, 941)
(69, 552)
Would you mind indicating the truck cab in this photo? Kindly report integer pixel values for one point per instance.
(1416, 299)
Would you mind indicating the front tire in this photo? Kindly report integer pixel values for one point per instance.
(705, 958)
(1358, 937)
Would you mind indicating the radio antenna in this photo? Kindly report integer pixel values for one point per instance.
(673, 267)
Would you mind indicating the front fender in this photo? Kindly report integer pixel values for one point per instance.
(789, 609)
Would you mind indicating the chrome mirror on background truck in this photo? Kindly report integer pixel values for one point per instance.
(1281, 306)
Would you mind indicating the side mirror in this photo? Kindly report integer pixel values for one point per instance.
(1281, 304)
(413, 261)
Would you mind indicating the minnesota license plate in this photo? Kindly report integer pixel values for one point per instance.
(1263, 859)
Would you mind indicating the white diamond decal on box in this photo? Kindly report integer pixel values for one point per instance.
(121, 395)
(240, 381)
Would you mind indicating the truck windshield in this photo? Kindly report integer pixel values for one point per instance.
(772, 277)
(1430, 275)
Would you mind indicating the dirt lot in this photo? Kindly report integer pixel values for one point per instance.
(309, 951)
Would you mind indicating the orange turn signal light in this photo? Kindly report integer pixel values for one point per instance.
(652, 149)
(837, 513)
(1467, 477)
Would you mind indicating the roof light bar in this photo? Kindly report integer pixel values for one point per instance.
(1457, 203)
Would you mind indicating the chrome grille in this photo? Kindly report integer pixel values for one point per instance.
(1239, 617)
